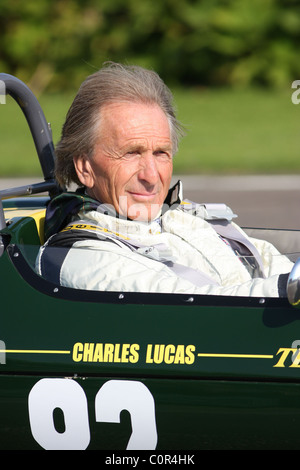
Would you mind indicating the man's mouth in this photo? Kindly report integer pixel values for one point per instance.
(142, 196)
(140, 205)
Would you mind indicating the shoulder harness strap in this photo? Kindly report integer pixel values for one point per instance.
(50, 264)
(220, 216)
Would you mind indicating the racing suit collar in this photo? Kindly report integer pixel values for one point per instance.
(62, 209)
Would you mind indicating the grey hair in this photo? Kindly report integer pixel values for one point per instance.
(112, 83)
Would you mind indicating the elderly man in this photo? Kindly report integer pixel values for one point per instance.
(124, 229)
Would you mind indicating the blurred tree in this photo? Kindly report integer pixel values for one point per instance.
(55, 44)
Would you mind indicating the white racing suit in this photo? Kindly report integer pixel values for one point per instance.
(183, 251)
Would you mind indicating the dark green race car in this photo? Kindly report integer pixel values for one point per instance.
(116, 370)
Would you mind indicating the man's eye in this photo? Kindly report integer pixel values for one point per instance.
(132, 153)
(163, 154)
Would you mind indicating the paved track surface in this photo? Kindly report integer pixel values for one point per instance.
(259, 201)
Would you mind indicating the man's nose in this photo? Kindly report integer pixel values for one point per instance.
(148, 171)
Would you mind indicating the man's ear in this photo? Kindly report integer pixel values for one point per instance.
(84, 170)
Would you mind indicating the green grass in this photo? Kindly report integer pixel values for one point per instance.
(238, 132)
(244, 131)
(18, 156)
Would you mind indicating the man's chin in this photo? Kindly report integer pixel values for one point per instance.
(143, 212)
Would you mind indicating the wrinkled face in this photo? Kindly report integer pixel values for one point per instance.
(131, 167)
